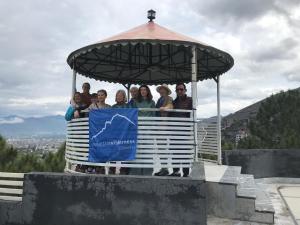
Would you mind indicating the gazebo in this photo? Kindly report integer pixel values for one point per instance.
(149, 54)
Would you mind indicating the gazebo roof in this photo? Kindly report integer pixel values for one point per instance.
(151, 31)
(148, 54)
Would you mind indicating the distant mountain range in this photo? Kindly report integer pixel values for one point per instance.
(16, 126)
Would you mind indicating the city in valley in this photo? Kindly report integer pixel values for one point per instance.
(36, 144)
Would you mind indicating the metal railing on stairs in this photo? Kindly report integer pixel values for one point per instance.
(208, 140)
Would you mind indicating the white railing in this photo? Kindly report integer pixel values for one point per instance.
(162, 142)
(11, 186)
(207, 140)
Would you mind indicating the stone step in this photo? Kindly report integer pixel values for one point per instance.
(246, 186)
(263, 202)
(231, 175)
(262, 211)
(236, 196)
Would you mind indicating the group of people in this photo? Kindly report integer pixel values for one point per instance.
(140, 98)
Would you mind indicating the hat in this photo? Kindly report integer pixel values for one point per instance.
(165, 87)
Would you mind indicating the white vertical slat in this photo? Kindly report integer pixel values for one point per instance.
(194, 96)
(219, 122)
(73, 83)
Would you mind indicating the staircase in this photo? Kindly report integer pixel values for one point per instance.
(233, 195)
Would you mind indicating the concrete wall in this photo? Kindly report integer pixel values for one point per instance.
(56, 199)
(265, 162)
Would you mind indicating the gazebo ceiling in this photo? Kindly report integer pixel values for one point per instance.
(148, 54)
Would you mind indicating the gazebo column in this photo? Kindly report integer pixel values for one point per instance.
(128, 90)
(218, 122)
(73, 83)
(194, 96)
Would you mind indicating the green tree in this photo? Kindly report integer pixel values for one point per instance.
(55, 162)
(277, 123)
(12, 160)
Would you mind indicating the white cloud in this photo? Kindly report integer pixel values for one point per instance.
(11, 120)
(36, 37)
(294, 77)
(24, 102)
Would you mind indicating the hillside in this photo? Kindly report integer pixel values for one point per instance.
(273, 122)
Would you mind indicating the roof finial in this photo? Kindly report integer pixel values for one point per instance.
(151, 15)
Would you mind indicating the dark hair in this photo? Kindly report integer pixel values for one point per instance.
(88, 84)
(182, 85)
(103, 91)
(76, 93)
(94, 95)
(149, 95)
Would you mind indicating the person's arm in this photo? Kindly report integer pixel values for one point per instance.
(91, 107)
(133, 105)
(72, 102)
(76, 114)
(169, 104)
(190, 107)
(152, 106)
(70, 113)
(191, 104)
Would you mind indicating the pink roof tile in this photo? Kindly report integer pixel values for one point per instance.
(151, 31)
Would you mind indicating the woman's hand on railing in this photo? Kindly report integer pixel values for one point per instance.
(76, 114)
(162, 109)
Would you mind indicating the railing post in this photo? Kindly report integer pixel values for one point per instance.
(73, 83)
(219, 122)
(194, 96)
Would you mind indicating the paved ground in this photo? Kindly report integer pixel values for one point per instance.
(221, 221)
(291, 196)
(278, 190)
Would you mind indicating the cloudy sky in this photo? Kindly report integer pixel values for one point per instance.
(37, 36)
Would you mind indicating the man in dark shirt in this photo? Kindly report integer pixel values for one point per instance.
(182, 101)
(85, 95)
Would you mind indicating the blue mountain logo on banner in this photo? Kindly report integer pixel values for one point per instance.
(112, 134)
